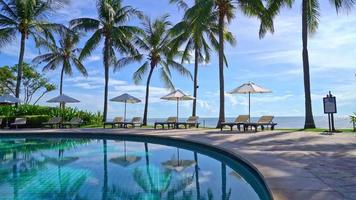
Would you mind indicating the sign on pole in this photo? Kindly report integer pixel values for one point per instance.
(330, 109)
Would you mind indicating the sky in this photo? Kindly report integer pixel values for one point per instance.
(274, 62)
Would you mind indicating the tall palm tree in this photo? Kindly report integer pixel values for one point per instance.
(28, 19)
(156, 43)
(111, 26)
(225, 12)
(63, 55)
(198, 30)
(310, 23)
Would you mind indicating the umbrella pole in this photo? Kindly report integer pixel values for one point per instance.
(125, 112)
(125, 150)
(249, 107)
(177, 109)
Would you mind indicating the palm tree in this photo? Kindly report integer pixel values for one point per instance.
(310, 23)
(198, 29)
(224, 10)
(111, 26)
(27, 18)
(64, 55)
(156, 43)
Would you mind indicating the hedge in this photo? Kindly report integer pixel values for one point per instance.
(32, 121)
(69, 113)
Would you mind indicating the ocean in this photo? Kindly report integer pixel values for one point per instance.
(283, 122)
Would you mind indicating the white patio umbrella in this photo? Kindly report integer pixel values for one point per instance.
(126, 98)
(249, 88)
(8, 99)
(177, 95)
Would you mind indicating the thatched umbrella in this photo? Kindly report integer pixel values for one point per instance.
(126, 98)
(178, 95)
(249, 88)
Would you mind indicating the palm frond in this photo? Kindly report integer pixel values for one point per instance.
(7, 35)
(91, 44)
(126, 61)
(181, 4)
(166, 78)
(313, 14)
(141, 71)
(80, 67)
(85, 24)
(180, 68)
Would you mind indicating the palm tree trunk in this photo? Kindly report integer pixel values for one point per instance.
(61, 82)
(195, 93)
(221, 70)
(15, 176)
(197, 183)
(309, 120)
(223, 182)
(147, 95)
(19, 67)
(105, 159)
(106, 71)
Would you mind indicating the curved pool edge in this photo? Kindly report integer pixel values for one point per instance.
(147, 136)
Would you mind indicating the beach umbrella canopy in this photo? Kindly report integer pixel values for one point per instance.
(249, 88)
(125, 160)
(8, 99)
(178, 165)
(126, 98)
(63, 99)
(178, 95)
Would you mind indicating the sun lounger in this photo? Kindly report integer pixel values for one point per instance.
(18, 122)
(54, 122)
(116, 121)
(75, 122)
(264, 121)
(191, 122)
(239, 121)
(170, 122)
(135, 122)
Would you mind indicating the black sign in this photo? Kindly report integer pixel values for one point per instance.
(329, 105)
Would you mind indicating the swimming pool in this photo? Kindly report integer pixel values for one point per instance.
(122, 167)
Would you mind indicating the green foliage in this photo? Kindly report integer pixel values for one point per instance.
(42, 113)
(353, 117)
(33, 82)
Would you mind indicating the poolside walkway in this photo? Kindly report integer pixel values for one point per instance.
(295, 165)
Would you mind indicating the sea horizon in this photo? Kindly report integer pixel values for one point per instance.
(341, 122)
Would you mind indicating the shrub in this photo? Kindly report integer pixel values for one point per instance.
(353, 121)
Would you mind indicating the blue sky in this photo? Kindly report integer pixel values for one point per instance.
(274, 62)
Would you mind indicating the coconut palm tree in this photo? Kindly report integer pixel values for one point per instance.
(26, 18)
(225, 12)
(110, 26)
(310, 23)
(156, 44)
(63, 55)
(198, 30)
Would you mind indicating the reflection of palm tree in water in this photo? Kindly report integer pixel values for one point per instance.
(224, 194)
(155, 184)
(105, 160)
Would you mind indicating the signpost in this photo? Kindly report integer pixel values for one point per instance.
(330, 109)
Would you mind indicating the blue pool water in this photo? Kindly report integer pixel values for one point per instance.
(124, 168)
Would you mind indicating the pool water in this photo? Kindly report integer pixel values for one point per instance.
(60, 168)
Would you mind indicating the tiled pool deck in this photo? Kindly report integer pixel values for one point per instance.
(295, 165)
